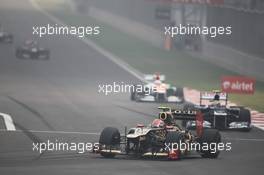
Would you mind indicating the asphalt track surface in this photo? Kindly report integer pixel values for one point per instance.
(60, 97)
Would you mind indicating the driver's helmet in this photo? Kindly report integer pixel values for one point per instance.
(216, 100)
(157, 123)
(157, 79)
(216, 97)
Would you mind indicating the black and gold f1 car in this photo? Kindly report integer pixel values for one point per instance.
(32, 50)
(162, 138)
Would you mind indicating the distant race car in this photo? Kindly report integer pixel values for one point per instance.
(220, 116)
(158, 91)
(32, 50)
(159, 139)
(5, 37)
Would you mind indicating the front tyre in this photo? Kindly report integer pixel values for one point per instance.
(18, 53)
(133, 94)
(109, 140)
(245, 116)
(211, 138)
(9, 39)
(174, 138)
(45, 54)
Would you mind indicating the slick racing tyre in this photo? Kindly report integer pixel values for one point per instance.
(133, 94)
(173, 138)
(187, 107)
(110, 138)
(9, 39)
(45, 54)
(18, 53)
(179, 93)
(211, 138)
(245, 116)
(170, 92)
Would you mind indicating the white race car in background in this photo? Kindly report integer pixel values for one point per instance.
(157, 91)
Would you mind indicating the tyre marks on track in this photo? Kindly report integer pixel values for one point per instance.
(7, 121)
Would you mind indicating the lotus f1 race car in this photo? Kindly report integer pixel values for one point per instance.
(162, 138)
(5, 37)
(157, 91)
(220, 116)
(32, 50)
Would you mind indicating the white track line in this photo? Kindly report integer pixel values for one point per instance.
(95, 133)
(8, 122)
(93, 45)
(57, 132)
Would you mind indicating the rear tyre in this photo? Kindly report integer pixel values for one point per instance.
(210, 137)
(47, 53)
(18, 53)
(133, 94)
(9, 39)
(179, 93)
(187, 107)
(160, 97)
(170, 92)
(110, 138)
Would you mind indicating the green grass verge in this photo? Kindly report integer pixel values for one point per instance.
(180, 69)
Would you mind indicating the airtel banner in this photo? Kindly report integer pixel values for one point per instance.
(237, 84)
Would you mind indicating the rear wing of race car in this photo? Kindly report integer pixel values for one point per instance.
(153, 77)
(172, 114)
(169, 116)
(213, 96)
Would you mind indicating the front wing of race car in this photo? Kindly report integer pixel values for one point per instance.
(191, 125)
(33, 53)
(112, 151)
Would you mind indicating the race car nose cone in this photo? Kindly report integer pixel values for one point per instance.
(174, 155)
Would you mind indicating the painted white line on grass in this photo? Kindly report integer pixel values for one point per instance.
(9, 124)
